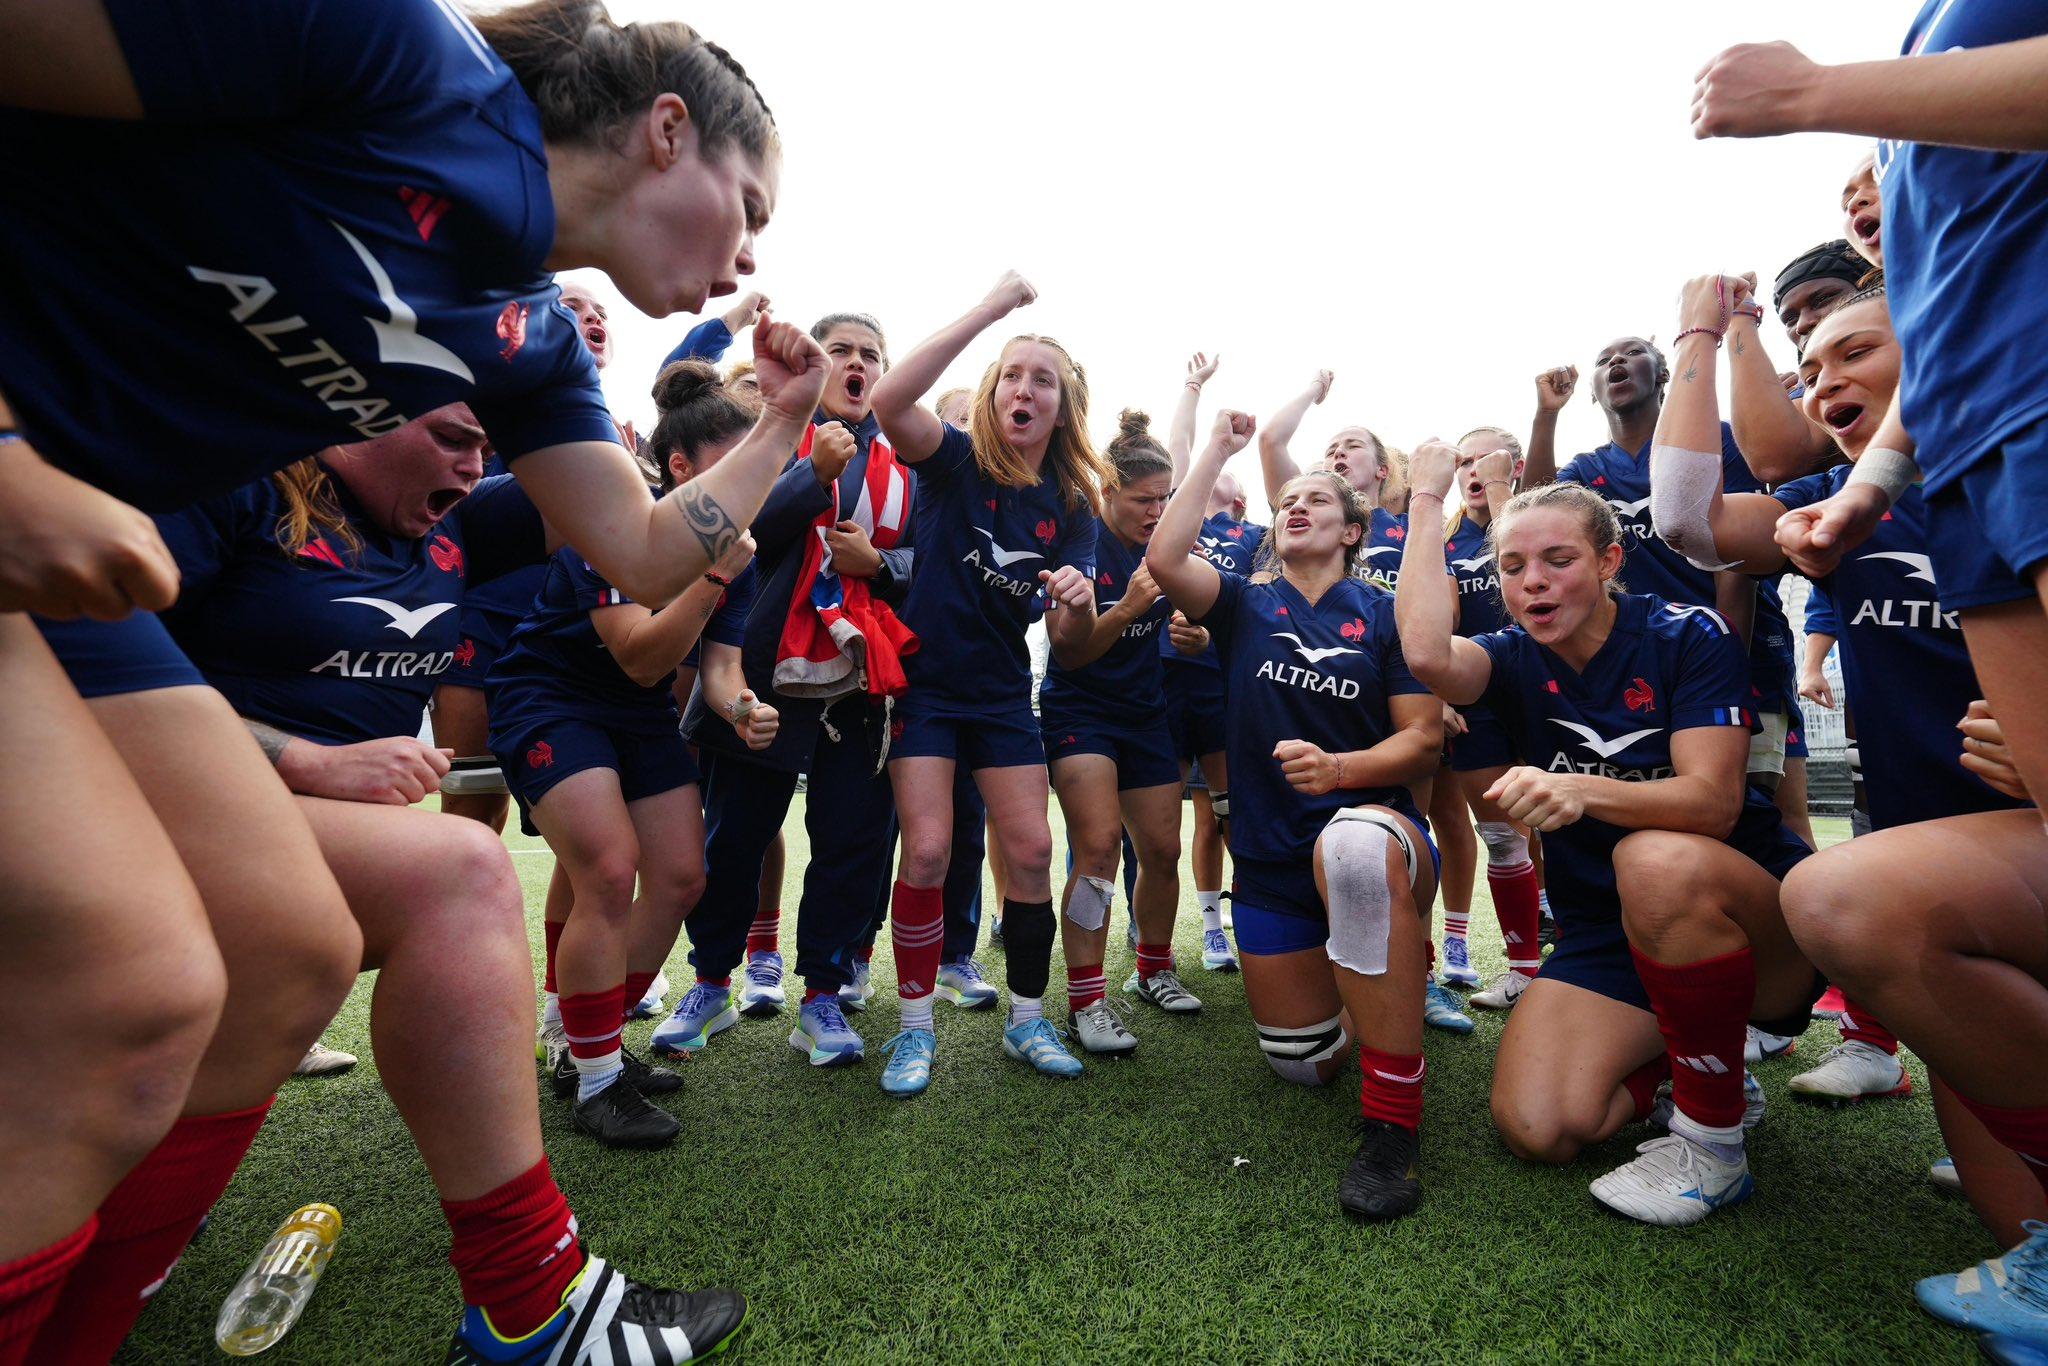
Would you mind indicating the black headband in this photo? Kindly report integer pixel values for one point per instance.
(1835, 260)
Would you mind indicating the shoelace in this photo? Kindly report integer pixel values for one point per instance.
(1377, 1137)
(693, 1001)
(653, 1306)
(1107, 1009)
(1668, 1159)
(913, 1043)
(1166, 986)
(1042, 1032)
(762, 973)
(2026, 1266)
(831, 1019)
(970, 972)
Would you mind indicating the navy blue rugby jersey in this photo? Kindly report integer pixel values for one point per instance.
(336, 220)
(335, 646)
(556, 660)
(1666, 667)
(492, 609)
(1821, 617)
(1321, 673)
(1232, 546)
(1650, 566)
(1469, 557)
(1127, 684)
(1966, 235)
(1904, 665)
(980, 549)
(1383, 547)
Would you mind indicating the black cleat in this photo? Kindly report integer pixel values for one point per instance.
(620, 1117)
(562, 1078)
(608, 1319)
(647, 1079)
(1382, 1182)
(1546, 935)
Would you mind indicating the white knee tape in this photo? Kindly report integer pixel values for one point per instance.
(1505, 846)
(1297, 1053)
(1088, 907)
(1219, 805)
(1355, 871)
(1682, 488)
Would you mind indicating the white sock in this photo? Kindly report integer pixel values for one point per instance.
(1725, 1144)
(1024, 1008)
(1543, 904)
(917, 1014)
(551, 1007)
(1212, 910)
(594, 1074)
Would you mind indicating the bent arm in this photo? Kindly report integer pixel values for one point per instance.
(1426, 615)
(1539, 465)
(1702, 797)
(913, 430)
(65, 59)
(1276, 433)
(1189, 581)
(1994, 97)
(651, 645)
(1775, 437)
(1404, 758)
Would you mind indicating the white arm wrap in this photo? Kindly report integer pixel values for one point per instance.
(1682, 488)
(1893, 471)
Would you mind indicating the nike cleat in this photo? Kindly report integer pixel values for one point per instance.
(1505, 991)
(620, 1117)
(1761, 1047)
(646, 1078)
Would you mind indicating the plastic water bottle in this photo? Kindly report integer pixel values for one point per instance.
(268, 1299)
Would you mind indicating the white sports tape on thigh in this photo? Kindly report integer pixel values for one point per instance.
(1088, 907)
(476, 776)
(1355, 870)
(1505, 846)
(1296, 1053)
(1219, 805)
(1682, 488)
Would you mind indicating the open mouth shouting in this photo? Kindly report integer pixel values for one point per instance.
(442, 501)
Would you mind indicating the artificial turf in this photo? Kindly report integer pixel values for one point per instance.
(1177, 1204)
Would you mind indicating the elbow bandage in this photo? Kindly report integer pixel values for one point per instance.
(1893, 471)
(1682, 488)
(1361, 906)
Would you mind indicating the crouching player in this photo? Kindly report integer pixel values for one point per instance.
(1326, 733)
(1631, 713)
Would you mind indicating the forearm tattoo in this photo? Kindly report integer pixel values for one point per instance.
(269, 739)
(707, 521)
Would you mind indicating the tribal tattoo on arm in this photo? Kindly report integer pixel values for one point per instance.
(707, 521)
(269, 739)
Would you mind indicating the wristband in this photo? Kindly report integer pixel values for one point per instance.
(1690, 330)
(711, 577)
(1890, 470)
(1413, 494)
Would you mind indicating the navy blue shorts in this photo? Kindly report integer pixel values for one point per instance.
(1194, 709)
(1795, 738)
(108, 658)
(1006, 738)
(483, 639)
(1595, 955)
(1275, 906)
(1144, 753)
(1988, 531)
(537, 753)
(1485, 743)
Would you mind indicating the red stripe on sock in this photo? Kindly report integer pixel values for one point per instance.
(2025, 1131)
(592, 1020)
(1703, 1012)
(1392, 1087)
(765, 934)
(1642, 1084)
(1860, 1025)
(916, 929)
(1085, 986)
(144, 1224)
(30, 1285)
(515, 1250)
(1154, 958)
(551, 935)
(1517, 902)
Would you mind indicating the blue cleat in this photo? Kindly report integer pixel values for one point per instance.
(1036, 1041)
(761, 990)
(2007, 1296)
(963, 985)
(910, 1062)
(2010, 1349)
(856, 994)
(1458, 970)
(607, 1317)
(822, 1032)
(1441, 1009)
(1217, 955)
(702, 1012)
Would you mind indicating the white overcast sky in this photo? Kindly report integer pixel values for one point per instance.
(1435, 201)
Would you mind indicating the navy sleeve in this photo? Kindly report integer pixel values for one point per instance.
(1821, 617)
(728, 624)
(892, 585)
(1077, 546)
(1222, 614)
(553, 398)
(202, 539)
(501, 530)
(1710, 681)
(1394, 675)
(708, 340)
(1801, 493)
(794, 502)
(1573, 472)
(207, 60)
(1504, 649)
(590, 589)
(1736, 475)
(955, 454)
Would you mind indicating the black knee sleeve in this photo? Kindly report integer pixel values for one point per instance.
(1027, 945)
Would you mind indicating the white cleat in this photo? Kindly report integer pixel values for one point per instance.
(1852, 1071)
(1101, 1030)
(1163, 989)
(1502, 995)
(322, 1061)
(1944, 1175)
(1753, 1104)
(1762, 1047)
(550, 1042)
(1675, 1182)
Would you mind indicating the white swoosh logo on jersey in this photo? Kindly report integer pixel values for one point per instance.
(1628, 509)
(1680, 609)
(1006, 558)
(1922, 566)
(1212, 541)
(399, 341)
(1375, 552)
(1473, 566)
(1314, 656)
(1606, 749)
(407, 619)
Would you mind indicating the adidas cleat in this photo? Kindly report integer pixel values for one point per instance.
(1163, 989)
(1381, 1181)
(620, 1117)
(702, 1012)
(910, 1055)
(963, 985)
(1441, 1009)
(2011, 1349)
(1674, 1183)
(607, 1320)
(823, 1035)
(1035, 1041)
(761, 993)
(2007, 1294)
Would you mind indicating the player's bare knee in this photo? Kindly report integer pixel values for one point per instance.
(1534, 1132)
(606, 886)
(924, 860)
(1827, 911)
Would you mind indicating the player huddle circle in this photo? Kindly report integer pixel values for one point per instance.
(396, 486)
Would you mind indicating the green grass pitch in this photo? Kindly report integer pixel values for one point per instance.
(1178, 1205)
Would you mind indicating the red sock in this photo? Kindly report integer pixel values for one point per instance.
(1515, 901)
(1703, 1012)
(551, 934)
(867, 952)
(765, 934)
(29, 1287)
(1860, 1025)
(2023, 1131)
(812, 993)
(716, 983)
(1153, 958)
(144, 1224)
(916, 928)
(1392, 1088)
(515, 1250)
(1642, 1083)
(637, 986)
(1085, 986)
(592, 1020)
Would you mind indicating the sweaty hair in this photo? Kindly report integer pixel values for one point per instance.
(311, 510)
(1134, 453)
(697, 409)
(1510, 443)
(590, 77)
(823, 327)
(1357, 512)
(1595, 518)
(1077, 467)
